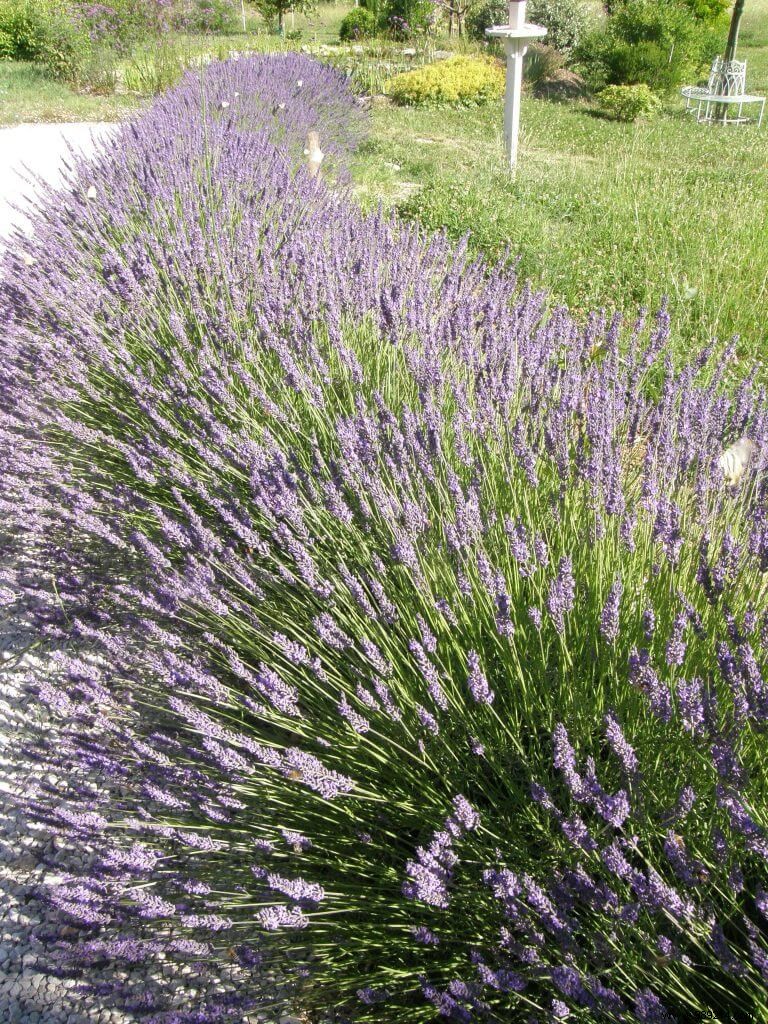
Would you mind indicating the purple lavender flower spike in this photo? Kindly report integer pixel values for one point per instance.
(562, 594)
(609, 617)
(618, 742)
(477, 682)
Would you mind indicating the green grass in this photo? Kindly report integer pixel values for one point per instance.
(600, 213)
(28, 95)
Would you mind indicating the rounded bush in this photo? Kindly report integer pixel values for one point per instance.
(566, 21)
(207, 16)
(457, 81)
(644, 42)
(405, 17)
(401, 639)
(628, 102)
(360, 23)
(45, 32)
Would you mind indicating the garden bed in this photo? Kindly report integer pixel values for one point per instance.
(417, 623)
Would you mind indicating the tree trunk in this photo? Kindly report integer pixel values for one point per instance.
(733, 34)
(280, 26)
(721, 111)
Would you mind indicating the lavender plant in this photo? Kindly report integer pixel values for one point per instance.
(408, 639)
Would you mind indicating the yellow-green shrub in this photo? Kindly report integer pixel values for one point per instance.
(458, 80)
(628, 102)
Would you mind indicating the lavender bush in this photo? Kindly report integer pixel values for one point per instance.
(408, 639)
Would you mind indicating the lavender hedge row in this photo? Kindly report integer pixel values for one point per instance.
(408, 639)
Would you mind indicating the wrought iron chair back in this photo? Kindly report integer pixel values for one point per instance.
(714, 74)
(731, 79)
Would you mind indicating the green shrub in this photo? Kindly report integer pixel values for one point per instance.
(705, 10)
(566, 21)
(457, 81)
(360, 23)
(45, 32)
(404, 17)
(6, 45)
(628, 102)
(541, 63)
(207, 16)
(708, 10)
(374, 6)
(645, 42)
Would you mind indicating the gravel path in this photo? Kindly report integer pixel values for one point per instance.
(27, 995)
(31, 158)
(30, 154)
(32, 151)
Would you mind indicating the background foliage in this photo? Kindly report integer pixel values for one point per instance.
(565, 20)
(643, 42)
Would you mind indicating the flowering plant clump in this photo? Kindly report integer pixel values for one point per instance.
(399, 27)
(456, 81)
(408, 640)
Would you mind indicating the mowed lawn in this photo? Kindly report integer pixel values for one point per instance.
(600, 213)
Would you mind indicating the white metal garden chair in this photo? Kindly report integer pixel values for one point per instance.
(692, 93)
(726, 88)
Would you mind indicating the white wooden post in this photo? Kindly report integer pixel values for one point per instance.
(516, 35)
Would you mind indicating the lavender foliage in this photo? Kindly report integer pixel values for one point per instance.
(323, 523)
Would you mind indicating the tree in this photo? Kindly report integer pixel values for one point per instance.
(456, 12)
(277, 9)
(733, 34)
(730, 47)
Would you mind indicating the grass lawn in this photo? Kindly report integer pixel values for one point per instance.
(600, 213)
(28, 95)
